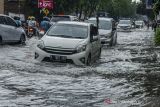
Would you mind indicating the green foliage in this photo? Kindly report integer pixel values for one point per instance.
(116, 8)
(157, 36)
(119, 8)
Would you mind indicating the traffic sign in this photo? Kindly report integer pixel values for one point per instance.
(48, 4)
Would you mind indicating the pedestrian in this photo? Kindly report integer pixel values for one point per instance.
(148, 25)
(154, 25)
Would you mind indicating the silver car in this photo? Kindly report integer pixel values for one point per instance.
(107, 30)
(10, 31)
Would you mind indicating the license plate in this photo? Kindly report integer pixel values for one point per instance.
(58, 58)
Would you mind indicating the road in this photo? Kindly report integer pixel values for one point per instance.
(127, 75)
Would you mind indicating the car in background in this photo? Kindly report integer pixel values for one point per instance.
(124, 25)
(73, 42)
(139, 24)
(107, 30)
(10, 31)
(57, 18)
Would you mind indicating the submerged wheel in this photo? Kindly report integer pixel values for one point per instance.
(88, 63)
(1, 42)
(22, 40)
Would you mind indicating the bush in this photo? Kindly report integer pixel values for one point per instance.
(157, 37)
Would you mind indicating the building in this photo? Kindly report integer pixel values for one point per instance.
(15, 8)
(1, 6)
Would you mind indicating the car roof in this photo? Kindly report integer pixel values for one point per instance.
(101, 18)
(125, 20)
(4, 15)
(63, 16)
(74, 23)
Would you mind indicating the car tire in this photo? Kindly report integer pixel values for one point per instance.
(22, 40)
(1, 41)
(88, 63)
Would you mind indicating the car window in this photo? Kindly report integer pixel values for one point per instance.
(69, 31)
(2, 20)
(60, 18)
(124, 22)
(103, 24)
(9, 21)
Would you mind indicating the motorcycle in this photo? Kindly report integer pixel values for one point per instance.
(30, 32)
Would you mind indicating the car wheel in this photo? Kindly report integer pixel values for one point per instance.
(1, 42)
(88, 63)
(22, 40)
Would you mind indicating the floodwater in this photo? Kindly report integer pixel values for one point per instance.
(127, 75)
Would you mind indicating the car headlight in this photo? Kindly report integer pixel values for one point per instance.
(41, 44)
(81, 48)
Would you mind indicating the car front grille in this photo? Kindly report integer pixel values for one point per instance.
(47, 59)
(124, 27)
(59, 51)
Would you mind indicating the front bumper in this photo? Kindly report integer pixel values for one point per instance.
(77, 58)
(123, 29)
(105, 40)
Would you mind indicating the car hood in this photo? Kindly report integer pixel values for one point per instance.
(138, 24)
(123, 25)
(60, 42)
(52, 23)
(104, 32)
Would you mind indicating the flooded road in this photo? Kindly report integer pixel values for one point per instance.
(127, 75)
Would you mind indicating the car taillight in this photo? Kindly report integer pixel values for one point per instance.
(30, 29)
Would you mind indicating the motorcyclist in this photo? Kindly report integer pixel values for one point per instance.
(18, 21)
(33, 24)
(45, 24)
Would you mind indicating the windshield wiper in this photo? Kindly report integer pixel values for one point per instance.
(79, 37)
(64, 36)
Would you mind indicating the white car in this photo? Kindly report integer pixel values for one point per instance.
(124, 25)
(139, 24)
(57, 18)
(75, 42)
(10, 31)
(107, 30)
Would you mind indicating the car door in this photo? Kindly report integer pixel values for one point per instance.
(13, 29)
(4, 32)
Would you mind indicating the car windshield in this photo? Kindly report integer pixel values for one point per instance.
(124, 22)
(60, 18)
(69, 31)
(103, 24)
(139, 22)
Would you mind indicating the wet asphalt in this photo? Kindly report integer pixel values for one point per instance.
(127, 75)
